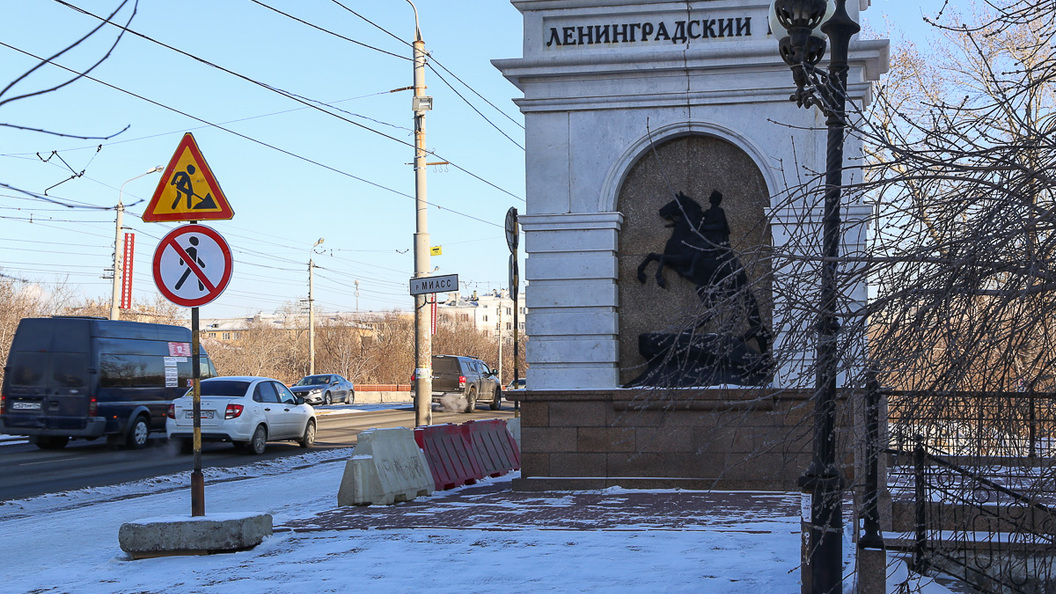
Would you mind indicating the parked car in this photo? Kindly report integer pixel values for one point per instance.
(325, 388)
(82, 377)
(521, 383)
(246, 411)
(470, 379)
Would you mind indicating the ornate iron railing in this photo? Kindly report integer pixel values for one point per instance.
(992, 537)
(975, 424)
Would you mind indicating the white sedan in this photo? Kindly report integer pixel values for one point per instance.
(247, 411)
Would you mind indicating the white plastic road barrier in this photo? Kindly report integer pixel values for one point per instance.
(386, 466)
(514, 427)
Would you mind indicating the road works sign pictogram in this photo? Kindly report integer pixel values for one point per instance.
(187, 190)
(192, 265)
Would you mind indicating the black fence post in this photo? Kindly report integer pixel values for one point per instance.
(1033, 427)
(920, 546)
(872, 538)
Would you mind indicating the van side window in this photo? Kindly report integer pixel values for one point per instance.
(208, 369)
(129, 371)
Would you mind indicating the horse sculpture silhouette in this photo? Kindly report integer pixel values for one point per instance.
(699, 251)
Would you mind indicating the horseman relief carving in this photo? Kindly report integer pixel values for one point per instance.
(708, 354)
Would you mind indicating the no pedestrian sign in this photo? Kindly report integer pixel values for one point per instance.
(192, 265)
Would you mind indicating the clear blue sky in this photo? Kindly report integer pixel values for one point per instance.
(291, 172)
(283, 202)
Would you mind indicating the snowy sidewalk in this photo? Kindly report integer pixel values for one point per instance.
(491, 505)
(483, 538)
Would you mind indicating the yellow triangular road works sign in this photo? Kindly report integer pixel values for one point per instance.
(187, 190)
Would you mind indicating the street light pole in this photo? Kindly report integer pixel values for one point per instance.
(802, 49)
(311, 309)
(423, 347)
(115, 298)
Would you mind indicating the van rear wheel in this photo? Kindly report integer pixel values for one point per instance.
(51, 442)
(138, 433)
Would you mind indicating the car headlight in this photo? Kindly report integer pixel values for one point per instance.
(316, 391)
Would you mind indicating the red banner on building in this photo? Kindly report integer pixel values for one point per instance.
(126, 272)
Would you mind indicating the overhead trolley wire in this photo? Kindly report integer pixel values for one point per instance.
(433, 59)
(234, 133)
(474, 108)
(294, 97)
(338, 35)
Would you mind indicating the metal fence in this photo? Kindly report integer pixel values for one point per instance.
(1017, 425)
(978, 530)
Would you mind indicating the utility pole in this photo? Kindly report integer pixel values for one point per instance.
(311, 310)
(115, 297)
(499, 326)
(423, 347)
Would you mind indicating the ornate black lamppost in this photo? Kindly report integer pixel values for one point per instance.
(802, 50)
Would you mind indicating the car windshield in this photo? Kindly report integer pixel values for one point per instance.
(311, 380)
(222, 387)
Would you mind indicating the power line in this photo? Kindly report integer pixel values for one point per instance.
(292, 96)
(329, 32)
(238, 134)
(226, 122)
(433, 58)
(473, 107)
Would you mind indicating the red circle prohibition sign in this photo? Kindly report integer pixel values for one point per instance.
(192, 265)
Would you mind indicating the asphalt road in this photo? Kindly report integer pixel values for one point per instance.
(26, 471)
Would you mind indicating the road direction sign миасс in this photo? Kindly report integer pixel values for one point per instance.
(192, 265)
(434, 284)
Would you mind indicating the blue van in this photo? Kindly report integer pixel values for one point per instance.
(79, 377)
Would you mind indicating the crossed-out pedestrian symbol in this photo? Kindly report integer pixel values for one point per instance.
(192, 265)
(192, 255)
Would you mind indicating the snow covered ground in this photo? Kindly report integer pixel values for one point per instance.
(67, 542)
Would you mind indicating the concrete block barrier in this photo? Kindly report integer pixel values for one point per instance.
(450, 455)
(495, 450)
(198, 535)
(386, 467)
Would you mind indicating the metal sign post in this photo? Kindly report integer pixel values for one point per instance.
(192, 266)
(197, 478)
(513, 229)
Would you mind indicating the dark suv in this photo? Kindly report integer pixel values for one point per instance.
(468, 379)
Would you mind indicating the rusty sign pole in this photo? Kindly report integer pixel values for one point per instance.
(197, 478)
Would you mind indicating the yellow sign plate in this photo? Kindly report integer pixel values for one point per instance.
(187, 190)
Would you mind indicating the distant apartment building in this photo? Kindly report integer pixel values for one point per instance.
(492, 312)
(230, 330)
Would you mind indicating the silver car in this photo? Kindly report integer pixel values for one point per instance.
(246, 411)
(324, 388)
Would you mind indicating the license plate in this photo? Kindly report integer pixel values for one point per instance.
(25, 406)
(206, 414)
